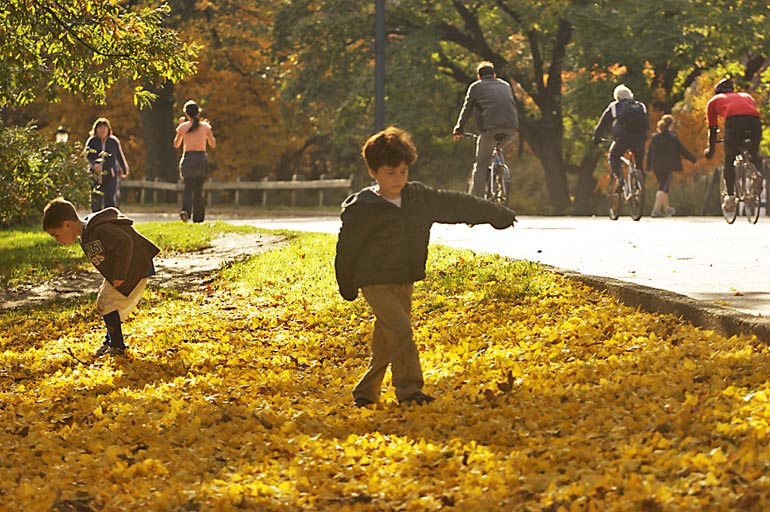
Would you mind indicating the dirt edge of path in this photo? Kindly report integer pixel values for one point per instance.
(179, 271)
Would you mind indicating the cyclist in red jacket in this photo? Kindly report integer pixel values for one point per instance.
(741, 116)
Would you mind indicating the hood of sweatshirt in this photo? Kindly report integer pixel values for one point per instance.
(111, 215)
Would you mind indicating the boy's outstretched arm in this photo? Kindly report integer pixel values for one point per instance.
(456, 207)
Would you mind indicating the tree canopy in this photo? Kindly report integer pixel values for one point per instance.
(84, 47)
(562, 57)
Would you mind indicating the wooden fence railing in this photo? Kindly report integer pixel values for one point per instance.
(148, 190)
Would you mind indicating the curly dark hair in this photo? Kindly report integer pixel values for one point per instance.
(392, 147)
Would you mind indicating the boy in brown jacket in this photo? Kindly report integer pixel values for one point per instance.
(382, 249)
(119, 253)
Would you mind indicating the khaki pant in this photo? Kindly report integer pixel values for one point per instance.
(109, 299)
(392, 343)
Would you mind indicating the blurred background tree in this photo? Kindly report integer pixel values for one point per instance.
(289, 86)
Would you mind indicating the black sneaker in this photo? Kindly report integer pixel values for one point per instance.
(103, 349)
(418, 398)
(184, 216)
(362, 402)
(116, 352)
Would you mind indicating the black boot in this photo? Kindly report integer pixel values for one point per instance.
(105, 347)
(114, 331)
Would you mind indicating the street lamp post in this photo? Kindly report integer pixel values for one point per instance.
(379, 65)
(62, 135)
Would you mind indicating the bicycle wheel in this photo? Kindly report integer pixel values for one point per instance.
(613, 197)
(636, 194)
(752, 193)
(728, 215)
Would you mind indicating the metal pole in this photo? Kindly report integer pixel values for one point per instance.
(379, 65)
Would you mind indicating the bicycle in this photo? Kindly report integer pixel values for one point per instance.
(632, 191)
(748, 186)
(498, 183)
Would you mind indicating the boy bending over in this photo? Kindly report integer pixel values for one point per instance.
(382, 249)
(119, 253)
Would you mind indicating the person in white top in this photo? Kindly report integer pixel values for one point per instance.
(195, 132)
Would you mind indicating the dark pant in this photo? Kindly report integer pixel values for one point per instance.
(618, 149)
(664, 180)
(193, 200)
(738, 129)
(104, 194)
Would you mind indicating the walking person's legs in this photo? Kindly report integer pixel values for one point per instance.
(391, 304)
(187, 199)
(109, 188)
(199, 199)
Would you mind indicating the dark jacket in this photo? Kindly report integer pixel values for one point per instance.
(114, 158)
(380, 243)
(116, 249)
(665, 153)
(491, 101)
(610, 118)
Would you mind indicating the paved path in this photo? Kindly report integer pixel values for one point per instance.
(703, 258)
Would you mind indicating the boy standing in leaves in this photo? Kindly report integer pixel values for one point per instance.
(383, 247)
(119, 253)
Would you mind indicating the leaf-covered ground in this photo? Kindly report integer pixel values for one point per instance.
(549, 396)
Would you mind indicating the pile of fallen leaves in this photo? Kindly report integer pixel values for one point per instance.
(549, 396)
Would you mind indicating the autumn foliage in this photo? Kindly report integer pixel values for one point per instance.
(237, 396)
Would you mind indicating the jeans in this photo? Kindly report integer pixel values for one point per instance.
(485, 145)
(193, 200)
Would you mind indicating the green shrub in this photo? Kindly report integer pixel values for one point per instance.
(34, 170)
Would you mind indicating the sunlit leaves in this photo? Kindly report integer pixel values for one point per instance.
(84, 47)
(237, 395)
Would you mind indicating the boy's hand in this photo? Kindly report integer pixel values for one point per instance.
(117, 282)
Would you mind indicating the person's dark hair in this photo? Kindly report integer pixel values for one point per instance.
(485, 68)
(392, 147)
(193, 112)
(101, 121)
(56, 212)
(724, 85)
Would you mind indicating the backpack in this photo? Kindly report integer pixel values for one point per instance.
(633, 117)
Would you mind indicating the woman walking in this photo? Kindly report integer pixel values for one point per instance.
(195, 133)
(664, 157)
(107, 164)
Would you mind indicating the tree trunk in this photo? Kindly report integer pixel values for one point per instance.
(547, 145)
(585, 191)
(160, 157)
